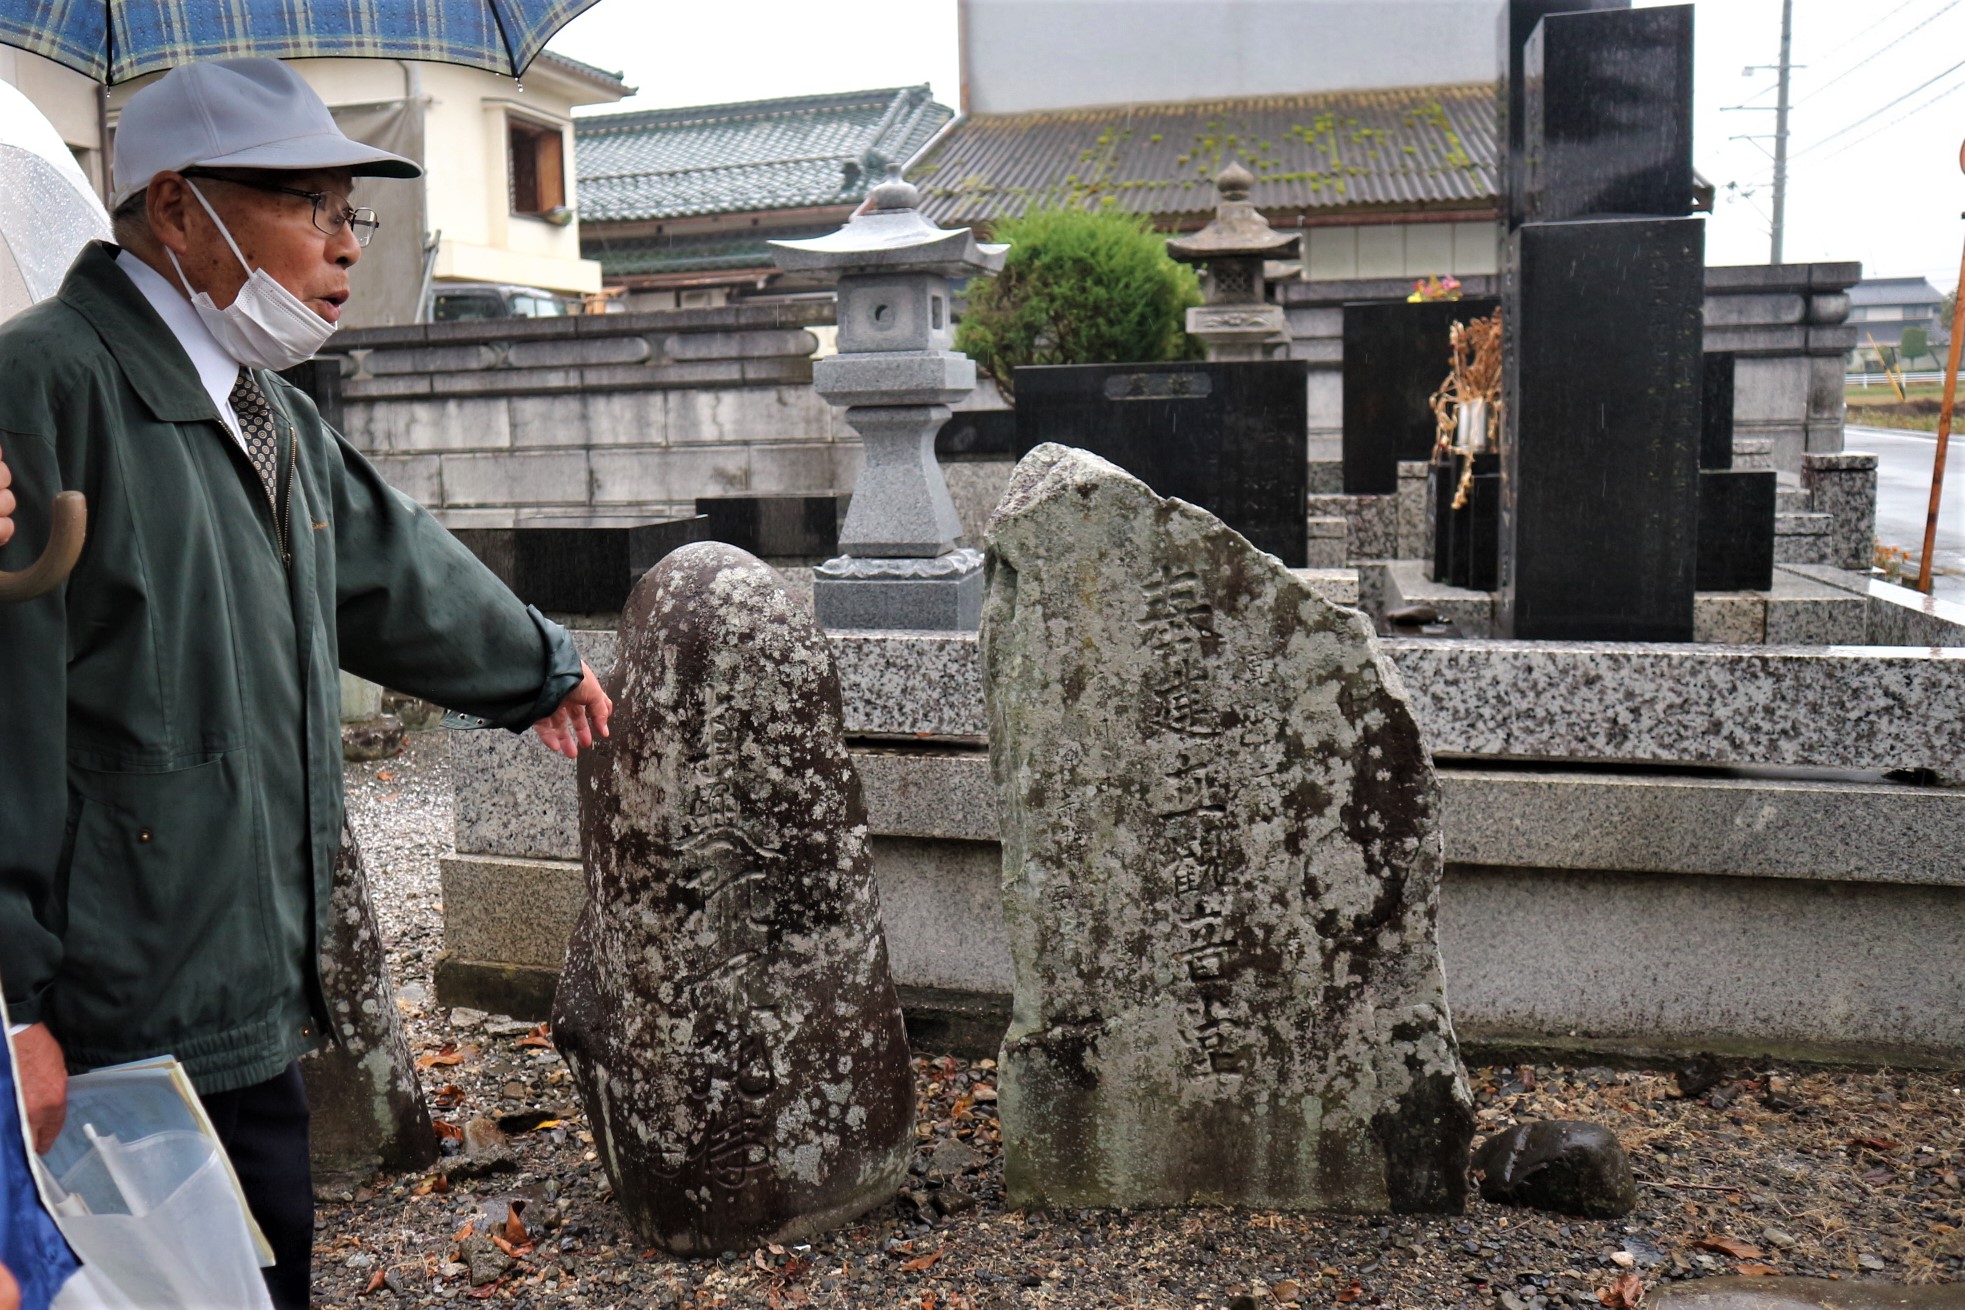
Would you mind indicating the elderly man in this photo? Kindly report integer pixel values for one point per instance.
(170, 778)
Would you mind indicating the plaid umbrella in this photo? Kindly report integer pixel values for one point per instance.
(115, 40)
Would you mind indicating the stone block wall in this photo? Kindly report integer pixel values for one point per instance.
(1625, 907)
(1785, 323)
(617, 416)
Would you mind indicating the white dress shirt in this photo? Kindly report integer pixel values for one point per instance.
(218, 371)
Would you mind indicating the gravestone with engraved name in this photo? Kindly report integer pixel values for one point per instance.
(726, 1009)
(1221, 863)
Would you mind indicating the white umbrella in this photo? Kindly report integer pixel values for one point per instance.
(47, 214)
(48, 211)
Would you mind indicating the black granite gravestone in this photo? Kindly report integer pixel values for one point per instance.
(1230, 438)
(1467, 541)
(1607, 115)
(1736, 529)
(1716, 412)
(1518, 20)
(1600, 456)
(776, 527)
(977, 434)
(1396, 355)
(578, 568)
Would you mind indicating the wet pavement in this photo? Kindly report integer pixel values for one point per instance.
(1903, 496)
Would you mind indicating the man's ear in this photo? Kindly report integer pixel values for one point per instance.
(167, 205)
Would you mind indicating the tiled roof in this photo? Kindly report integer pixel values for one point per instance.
(1408, 148)
(598, 76)
(690, 252)
(1894, 291)
(758, 155)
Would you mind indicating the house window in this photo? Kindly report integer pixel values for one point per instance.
(537, 168)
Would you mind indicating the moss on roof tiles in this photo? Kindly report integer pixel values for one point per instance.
(1409, 147)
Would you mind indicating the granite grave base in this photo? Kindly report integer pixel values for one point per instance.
(941, 594)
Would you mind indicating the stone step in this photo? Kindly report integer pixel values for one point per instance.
(1804, 524)
(1793, 500)
(1753, 453)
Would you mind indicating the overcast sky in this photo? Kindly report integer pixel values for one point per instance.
(1868, 180)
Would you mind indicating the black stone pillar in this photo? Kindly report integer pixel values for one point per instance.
(1518, 20)
(1607, 115)
(1601, 451)
(1736, 529)
(1716, 412)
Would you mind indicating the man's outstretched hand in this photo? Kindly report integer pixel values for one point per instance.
(580, 718)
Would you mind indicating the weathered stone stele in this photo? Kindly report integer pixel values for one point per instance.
(367, 1106)
(1221, 857)
(726, 1009)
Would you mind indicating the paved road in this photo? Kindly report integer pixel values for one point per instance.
(1903, 496)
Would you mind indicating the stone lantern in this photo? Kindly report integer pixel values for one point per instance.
(1237, 322)
(896, 374)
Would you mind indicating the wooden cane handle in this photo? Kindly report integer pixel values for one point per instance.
(70, 525)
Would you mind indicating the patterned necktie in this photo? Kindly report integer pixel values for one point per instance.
(256, 426)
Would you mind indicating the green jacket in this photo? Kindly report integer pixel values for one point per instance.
(170, 750)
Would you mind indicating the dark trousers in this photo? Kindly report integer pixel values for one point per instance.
(264, 1130)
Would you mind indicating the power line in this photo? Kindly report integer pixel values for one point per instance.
(1880, 22)
(1947, 8)
(1913, 112)
(1882, 109)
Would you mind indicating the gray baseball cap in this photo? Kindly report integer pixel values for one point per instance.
(236, 113)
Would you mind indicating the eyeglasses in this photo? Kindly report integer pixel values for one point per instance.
(331, 212)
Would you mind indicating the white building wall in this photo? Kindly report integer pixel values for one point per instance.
(1021, 55)
(1401, 250)
(69, 100)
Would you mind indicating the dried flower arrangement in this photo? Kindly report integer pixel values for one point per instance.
(1472, 388)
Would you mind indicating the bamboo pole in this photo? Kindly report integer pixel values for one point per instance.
(1944, 428)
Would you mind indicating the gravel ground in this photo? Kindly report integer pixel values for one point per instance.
(1763, 1169)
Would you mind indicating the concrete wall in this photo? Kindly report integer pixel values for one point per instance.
(624, 416)
(1053, 54)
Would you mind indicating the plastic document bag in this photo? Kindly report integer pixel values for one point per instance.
(144, 1193)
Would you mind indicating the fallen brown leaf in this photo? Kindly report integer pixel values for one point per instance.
(383, 775)
(514, 1226)
(1751, 1270)
(1352, 1293)
(1624, 1294)
(375, 1282)
(1730, 1246)
(920, 1263)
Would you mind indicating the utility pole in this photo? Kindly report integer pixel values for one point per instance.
(1781, 136)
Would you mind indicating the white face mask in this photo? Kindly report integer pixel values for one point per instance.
(266, 325)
